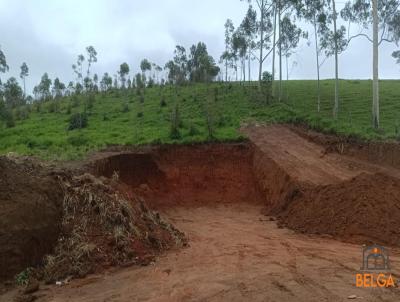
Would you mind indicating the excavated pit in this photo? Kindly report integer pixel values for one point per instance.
(361, 208)
(287, 175)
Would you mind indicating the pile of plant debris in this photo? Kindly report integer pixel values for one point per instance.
(102, 227)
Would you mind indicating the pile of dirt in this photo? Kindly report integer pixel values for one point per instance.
(365, 209)
(30, 211)
(101, 227)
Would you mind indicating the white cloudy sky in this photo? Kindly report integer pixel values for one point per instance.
(49, 34)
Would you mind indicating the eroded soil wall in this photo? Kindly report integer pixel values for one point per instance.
(187, 175)
(30, 211)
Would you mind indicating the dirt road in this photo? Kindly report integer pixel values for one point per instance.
(235, 254)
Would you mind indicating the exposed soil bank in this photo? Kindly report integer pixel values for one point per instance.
(196, 175)
(313, 191)
(385, 153)
(30, 211)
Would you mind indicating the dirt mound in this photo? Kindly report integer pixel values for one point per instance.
(365, 209)
(30, 211)
(102, 227)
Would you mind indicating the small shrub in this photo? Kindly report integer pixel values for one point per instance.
(75, 101)
(175, 122)
(23, 277)
(163, 103)
(52, 107)
(90, 101)
(140, 114)
(210, 124)
(7, 116)
(105, 117)
(193, 130)
(78, 121)
(125, 108)
(216, 94)
(21, 113)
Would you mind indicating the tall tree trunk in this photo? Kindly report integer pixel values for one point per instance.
(336, 106)
(287, 78)
(318, 76)
(226, 70)
(280, 54)
(24, 88)
(375, 102)
(273, 54)
(244, 69)
(236, 71)
(249, 62)
(261, 43)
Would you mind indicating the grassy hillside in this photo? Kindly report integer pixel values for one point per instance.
(127, 117)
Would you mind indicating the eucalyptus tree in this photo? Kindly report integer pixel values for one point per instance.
(106, 82)
(92, 58)
(158, 70)
(314, 12)
(70, 88)
(384, 15)
(227, 54)
(95, 82)
(181, 63)
(3, 62)
(44, 87)
(145, 66)
(123, 72)
(289, 40)
(58, 88)
(78, 68)
(240, 48)
(333, 41)
(24, 73)
(249, 27)
(201, 65)
(3, 68)
(13, 94)
(264, 31)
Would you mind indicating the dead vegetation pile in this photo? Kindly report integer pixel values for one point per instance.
(101, 227)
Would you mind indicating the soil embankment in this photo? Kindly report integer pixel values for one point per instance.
(312, 190)
(30, 211)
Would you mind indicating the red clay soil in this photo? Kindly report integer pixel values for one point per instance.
(196, 175)
(30, 211)
(313, 191)
(386, 153)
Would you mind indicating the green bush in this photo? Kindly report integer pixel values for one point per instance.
(78, 121)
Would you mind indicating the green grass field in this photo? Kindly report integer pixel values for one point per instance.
(125, 118)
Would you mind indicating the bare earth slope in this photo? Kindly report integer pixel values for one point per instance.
(313, 191)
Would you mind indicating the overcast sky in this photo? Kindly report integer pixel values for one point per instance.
(49, 34)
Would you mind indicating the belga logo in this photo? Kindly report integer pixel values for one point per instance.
(375, 267)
